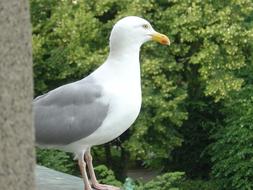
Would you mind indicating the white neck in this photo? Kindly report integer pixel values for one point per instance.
(121, 66)
(124, 60)
(122, 52)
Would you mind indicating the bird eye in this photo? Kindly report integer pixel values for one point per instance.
(145, 26)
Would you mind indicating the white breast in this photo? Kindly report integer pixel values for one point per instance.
(124, 108)
(124, 99)
(125, 104)
(122, 91)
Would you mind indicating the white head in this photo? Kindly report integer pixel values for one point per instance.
(134, 31)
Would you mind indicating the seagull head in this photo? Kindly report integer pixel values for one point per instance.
(135, 30)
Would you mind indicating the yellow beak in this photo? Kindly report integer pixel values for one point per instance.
(161, 38)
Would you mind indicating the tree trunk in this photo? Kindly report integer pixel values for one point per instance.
(124, 163)
(108, 155)
(17, 155)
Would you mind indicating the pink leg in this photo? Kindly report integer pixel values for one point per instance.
(94, 181)
(82, 166)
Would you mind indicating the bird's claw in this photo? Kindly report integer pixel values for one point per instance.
(99, 186)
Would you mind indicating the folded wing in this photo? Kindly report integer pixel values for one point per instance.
(69, 113)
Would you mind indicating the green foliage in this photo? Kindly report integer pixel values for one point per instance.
(232, 152)
(106, 176)
(64, 43)
(211, 40)
(168, 181)
(213, 35)
(172, 181)
(56, 160)
(199, 185)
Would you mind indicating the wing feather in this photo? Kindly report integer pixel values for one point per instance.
(69, 113)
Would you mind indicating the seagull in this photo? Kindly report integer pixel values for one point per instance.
(100, 107)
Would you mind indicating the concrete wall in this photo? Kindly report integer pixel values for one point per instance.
(17, 156)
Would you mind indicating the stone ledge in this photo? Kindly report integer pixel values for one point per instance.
(48, 179)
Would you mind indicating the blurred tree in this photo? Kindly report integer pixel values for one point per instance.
(211, 41)
(167, 181)
(232, 151)
(212, 36)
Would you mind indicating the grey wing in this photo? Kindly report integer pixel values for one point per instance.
(69, 113)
